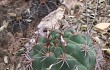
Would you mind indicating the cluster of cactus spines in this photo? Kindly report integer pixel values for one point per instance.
(63, 50)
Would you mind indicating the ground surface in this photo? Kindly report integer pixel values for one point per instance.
(23, 17)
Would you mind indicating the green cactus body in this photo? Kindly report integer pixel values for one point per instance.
(62, 50)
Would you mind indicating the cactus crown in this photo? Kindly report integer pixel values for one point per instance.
(63, 50)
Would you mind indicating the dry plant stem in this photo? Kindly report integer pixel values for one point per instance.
(96, 9)
(95, 13)
(87, 22)
(99, 64)
(89, 26)
(86, 11)
(78, 27)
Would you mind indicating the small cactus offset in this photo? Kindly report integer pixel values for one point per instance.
(63, 50)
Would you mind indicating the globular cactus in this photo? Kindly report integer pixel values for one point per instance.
(63, 50)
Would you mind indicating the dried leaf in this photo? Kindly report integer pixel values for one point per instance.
(6, 59)
(102, 26)
(12, 14)
(18, 66)
(5, 24)
(107, 51)
(83, 27)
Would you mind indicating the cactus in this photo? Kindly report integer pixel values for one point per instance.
(63, 50)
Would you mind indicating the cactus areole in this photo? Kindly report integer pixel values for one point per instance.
(63, 50)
